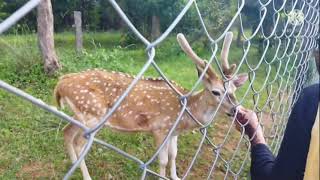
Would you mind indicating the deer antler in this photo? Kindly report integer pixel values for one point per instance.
(185, 46)
(227, 70)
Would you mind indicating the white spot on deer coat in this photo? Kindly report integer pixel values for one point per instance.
(168, 117)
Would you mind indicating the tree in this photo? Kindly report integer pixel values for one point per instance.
(45, 37)
(150, 16)
(147, 15)
(3, 14)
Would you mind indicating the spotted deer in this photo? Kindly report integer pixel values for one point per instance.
(152, 106)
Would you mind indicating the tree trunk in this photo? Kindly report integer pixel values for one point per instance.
(155, 28)
(46, 38)
(77, 23)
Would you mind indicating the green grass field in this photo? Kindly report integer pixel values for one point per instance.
(32, 140)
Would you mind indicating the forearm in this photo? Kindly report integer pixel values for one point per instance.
(262, 162)
(255, 135)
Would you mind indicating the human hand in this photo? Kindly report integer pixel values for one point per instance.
(248, 120)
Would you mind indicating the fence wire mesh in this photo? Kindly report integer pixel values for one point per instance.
(286, 47)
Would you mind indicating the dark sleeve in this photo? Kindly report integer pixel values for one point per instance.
(291, 160)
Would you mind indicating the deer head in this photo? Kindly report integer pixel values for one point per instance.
(214, 85)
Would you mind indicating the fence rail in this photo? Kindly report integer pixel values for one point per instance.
(295, 28)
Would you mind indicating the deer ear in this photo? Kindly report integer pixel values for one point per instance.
(240, 79)
(206, 78)
(199, 70)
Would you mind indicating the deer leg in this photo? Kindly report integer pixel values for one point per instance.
(173, 149)
(163, 154)
(163, 159)
(79, 143)
(69, 134)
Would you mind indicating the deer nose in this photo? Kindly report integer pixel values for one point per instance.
(233, 111)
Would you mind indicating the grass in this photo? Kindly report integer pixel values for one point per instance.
(32, 140)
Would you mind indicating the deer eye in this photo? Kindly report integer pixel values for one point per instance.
(216, 93)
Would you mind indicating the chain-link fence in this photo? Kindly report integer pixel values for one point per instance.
(286, 42)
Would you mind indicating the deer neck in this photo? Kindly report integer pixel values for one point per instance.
(201, 107)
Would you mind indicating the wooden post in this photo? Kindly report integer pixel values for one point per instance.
(78, 24)
(155, 27)
(46, 37)
(239, 44)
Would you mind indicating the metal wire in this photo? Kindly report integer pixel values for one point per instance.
(292, 44)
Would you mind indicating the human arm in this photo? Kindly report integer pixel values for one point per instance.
(291, 159)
